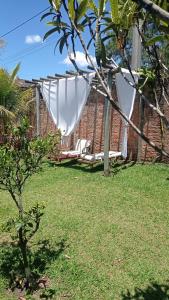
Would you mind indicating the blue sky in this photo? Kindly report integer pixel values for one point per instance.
(24, 45)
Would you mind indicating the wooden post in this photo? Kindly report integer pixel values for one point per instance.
(107, 113)
(37, 111)
(136, 48)
(135, 64)
(141, 127)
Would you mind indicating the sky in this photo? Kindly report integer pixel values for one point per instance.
(25, 45)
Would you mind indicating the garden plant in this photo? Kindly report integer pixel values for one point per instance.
(20, 158)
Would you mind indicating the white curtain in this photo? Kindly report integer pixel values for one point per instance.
(126, 97)
(65, 99)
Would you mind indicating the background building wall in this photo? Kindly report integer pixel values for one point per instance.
(91, 126)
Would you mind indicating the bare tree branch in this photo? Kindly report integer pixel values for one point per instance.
(100, 76)
(116, 107)
(154, 9)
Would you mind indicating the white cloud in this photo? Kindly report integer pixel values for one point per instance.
(80, 59)
(2, 43)
(32, 39)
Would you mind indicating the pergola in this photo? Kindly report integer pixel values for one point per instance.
(97, 86)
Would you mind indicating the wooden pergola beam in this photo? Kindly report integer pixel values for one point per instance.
(72, 73)
(37, 80)
(84, 71)
(30, 81)
(45, 79)
(54, 77)
(61, 76)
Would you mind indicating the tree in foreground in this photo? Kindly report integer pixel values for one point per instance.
(95, 24)
(20, 158)
(9, 97)
(14, 102)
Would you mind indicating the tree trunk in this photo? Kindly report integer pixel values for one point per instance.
(23, 247)
(23, 243)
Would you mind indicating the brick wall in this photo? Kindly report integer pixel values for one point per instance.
(91, 127)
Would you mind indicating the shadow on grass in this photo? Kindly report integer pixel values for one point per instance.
(121, 166)
(153, 291)
(74, 164)
(116, 167)
(41, 258)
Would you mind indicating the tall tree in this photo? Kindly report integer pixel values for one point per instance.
(9, 95)
(14, 102)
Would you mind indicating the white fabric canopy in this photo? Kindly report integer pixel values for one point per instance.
(126, 97)
(65, 99)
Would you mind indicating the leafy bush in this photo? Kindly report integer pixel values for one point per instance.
(20, 158)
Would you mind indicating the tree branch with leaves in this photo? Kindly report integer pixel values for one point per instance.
(156, 10)
(100, 21)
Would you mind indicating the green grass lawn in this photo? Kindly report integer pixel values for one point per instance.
(114, 231)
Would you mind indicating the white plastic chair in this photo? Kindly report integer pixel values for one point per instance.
(80, 147)
(99, 156)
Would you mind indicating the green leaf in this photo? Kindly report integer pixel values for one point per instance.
(82, 9)
(101, 7)
(80, 27)
(93, 7)
(46, 15)
(51, 2)
(62, 43)
(107, 19)
(164, 5)
(84, 22)
(126, 13)
(58, 24)
(89, 43)
(18, 226)
(163, 23)
(15, 72)
(56, 4)
(107, 37)
(6, 112)
(51, 31)
(109, 27)
(115, 11)
(159, 38)
(71, 9)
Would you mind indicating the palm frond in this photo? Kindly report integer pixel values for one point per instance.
(15, 72)
(6, 112)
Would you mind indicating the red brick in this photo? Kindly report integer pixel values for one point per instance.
(92, 129)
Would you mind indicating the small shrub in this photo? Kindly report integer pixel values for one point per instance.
(20, 158)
